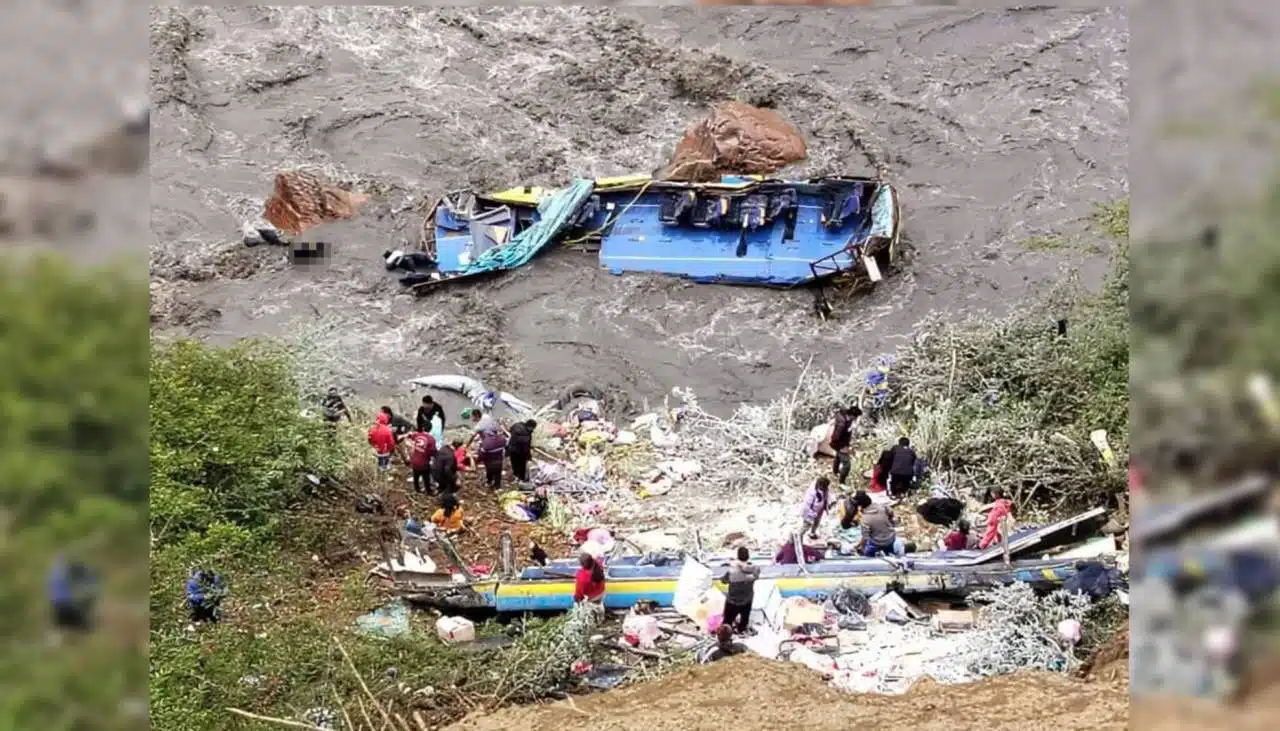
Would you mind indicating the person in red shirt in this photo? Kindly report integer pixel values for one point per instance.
(383, 441)
(465, 462)
(589, 586)
(1001, 508)
(422, 448)
(958, 539)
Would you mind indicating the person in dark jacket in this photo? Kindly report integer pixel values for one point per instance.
(334, 407)
(842, 441)
(902, 469)
(741, 578)
(520, 448)
(400, 426)
(444, 470)
(428, 410)
(72, 593)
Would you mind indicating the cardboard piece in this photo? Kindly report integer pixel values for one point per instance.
(954, 620)
(797, 611)
(455, 630)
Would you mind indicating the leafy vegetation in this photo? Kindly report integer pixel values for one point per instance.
(73, 471)
(1206, 320)
(1011, 403)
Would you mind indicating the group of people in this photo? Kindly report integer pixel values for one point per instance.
(864, 527)
(898, 469)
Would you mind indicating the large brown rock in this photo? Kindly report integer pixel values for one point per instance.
(736, 139)
(302, 200)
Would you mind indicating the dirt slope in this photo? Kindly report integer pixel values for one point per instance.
(749, 693)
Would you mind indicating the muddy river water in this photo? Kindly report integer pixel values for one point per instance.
(997, 127)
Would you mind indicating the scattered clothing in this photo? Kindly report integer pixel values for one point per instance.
(720, 651)
(1094, 580)
(407, 261)
(940, 511)
(538, 556)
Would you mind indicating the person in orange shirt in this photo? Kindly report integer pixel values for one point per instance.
(448, 517)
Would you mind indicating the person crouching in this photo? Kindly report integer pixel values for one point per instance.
(589, 583)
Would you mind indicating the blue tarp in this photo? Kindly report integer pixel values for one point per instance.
(554, 213)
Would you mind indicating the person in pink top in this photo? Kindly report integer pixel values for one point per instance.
(1002, 507)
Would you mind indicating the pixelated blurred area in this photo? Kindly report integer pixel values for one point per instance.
(74, 188)
(74, 128)
(1204, 364)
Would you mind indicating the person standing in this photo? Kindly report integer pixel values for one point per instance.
(741, 578)
(520, 449)
(902, 470)
(1000, 508)
(815, 505)
(422, 448)
(842, 441)
(427, 411)
(444, 469)
(383, 441)
(492, 451)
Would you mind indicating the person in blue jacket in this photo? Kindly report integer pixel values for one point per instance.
(72, 594)
(205, 592)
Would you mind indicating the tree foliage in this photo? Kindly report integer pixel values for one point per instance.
(73, 479)
(228, 441)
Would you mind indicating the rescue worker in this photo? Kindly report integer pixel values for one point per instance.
(383, 441)
(427, 411)
(520, 449)
(444, 470)
(422, 448)
(334, 407)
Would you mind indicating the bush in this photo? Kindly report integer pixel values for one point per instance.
(229, 443)
(73, 476)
